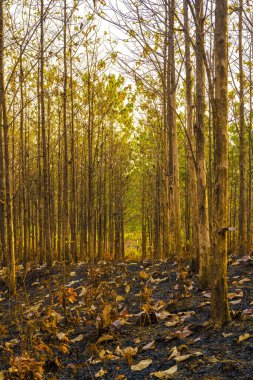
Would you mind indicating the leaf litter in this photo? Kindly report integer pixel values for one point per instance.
(124, 321)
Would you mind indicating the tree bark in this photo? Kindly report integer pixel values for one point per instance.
(204, 239)
(8, 195)
(219, 300)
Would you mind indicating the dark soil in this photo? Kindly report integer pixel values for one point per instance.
(82, 330)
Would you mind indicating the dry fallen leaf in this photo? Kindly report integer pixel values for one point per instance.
(127, 288)
(149, 346)
(243, 280)
(141, 365)
(236, 302)
(2, 375)
(105, 338)
(182, 358)
(101, 373)
(244, 337)
(120, 298)
(171, 323)
(83, 291)
(144, 275)
(106, 315)
(164, 314)
(247, 311)
(174, 353)
(127, 353)
(165, 374)
(234, 295)
(62, 336)
(227, 335)
(77, 339)
(183, 334)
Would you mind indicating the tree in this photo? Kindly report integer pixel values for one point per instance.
(220, 307)
(204, 238)
(8, 195)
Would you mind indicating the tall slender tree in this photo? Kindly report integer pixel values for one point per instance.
(219, 300)
(8, 196)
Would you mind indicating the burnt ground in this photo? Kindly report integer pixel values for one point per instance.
(103, 321)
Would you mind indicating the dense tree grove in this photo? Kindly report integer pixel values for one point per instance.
(146, 136)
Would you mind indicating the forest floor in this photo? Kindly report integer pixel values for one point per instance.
(123, 321)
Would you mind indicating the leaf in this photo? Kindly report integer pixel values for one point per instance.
(119, 298)
(141, 365)
(71, 295)
(149, 346)
(164, 314)
(127, 353)
(165, 374)
(62, 336)
(247, 311)
(234, 295)
(182, 358)
(174, 353)
(2, 375)
(105, 338)
(144, 275)
(35, 283)
(127, 288)
(235, 302)
(106, 315)
(77, 339)
(243, 280)
(101, 373)
(171, 323)
(183, 334)
(244, 337)
(83, 291)
(3, 330)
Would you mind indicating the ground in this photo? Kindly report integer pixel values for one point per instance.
(123, 321)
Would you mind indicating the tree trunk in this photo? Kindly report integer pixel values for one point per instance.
(65, 206)
(46, 192)
(204, 239)
(191, 169)
(8, 195)
(242, 153)
(219, 301)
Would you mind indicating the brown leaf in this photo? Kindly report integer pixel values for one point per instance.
(77, 339)
(101, 373)
(144, 275)
(127, 288)
(149, 346)
(247, 311)
(244, 337)
(165, 374)
(106, 315)
(119, 298)
(62, 336)
(141, 365)
(182, 358)
(105, 338)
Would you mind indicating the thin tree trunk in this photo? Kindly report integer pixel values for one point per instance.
(191, 170)
(242, 153)
(46, 193)
(249, 213)
(219, 300)
(8, 195)
(65, 206)
(204, 239)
